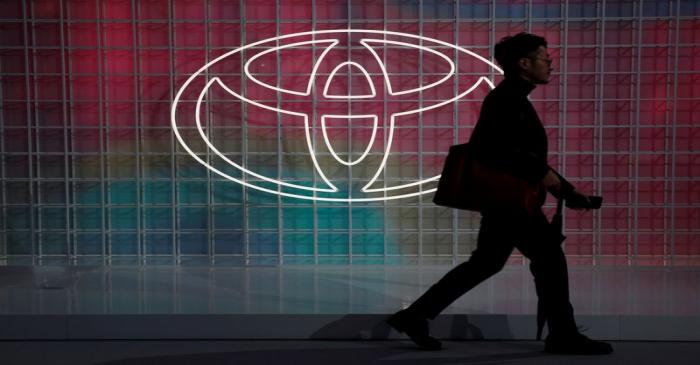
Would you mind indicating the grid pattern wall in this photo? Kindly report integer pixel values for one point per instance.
(92, 173)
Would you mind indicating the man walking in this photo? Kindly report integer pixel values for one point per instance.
(509, 137)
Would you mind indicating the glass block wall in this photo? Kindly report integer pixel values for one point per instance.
(92, 170)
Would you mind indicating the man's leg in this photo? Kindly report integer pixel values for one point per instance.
(494, 246)
(549, 268)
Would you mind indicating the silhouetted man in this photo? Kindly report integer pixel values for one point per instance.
(510, 137)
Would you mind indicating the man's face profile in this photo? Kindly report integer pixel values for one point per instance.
(537, 68)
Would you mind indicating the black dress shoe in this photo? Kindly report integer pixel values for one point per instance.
(576, 344)
(415, 328)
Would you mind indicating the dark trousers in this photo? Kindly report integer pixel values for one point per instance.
(498, 235)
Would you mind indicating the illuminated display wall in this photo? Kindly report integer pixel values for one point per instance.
(92, 172)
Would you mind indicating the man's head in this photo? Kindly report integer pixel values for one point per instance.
(524, 55)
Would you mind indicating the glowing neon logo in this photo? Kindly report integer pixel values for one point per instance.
(262, 90)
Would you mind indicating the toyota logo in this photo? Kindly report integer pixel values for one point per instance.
(333, 100)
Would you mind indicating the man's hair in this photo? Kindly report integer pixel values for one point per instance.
(512, 48)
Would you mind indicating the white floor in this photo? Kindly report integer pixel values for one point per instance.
(673, 291)
(329, 302)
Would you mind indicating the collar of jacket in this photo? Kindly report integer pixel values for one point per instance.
(520, 85)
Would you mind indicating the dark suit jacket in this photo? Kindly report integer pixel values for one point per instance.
(509, 135)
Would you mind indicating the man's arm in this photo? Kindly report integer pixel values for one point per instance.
(498, 138)
(557, 184)
(561, 188)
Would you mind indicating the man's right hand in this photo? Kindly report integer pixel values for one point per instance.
(578, 201)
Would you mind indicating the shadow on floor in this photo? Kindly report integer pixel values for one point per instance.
(397, 353)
